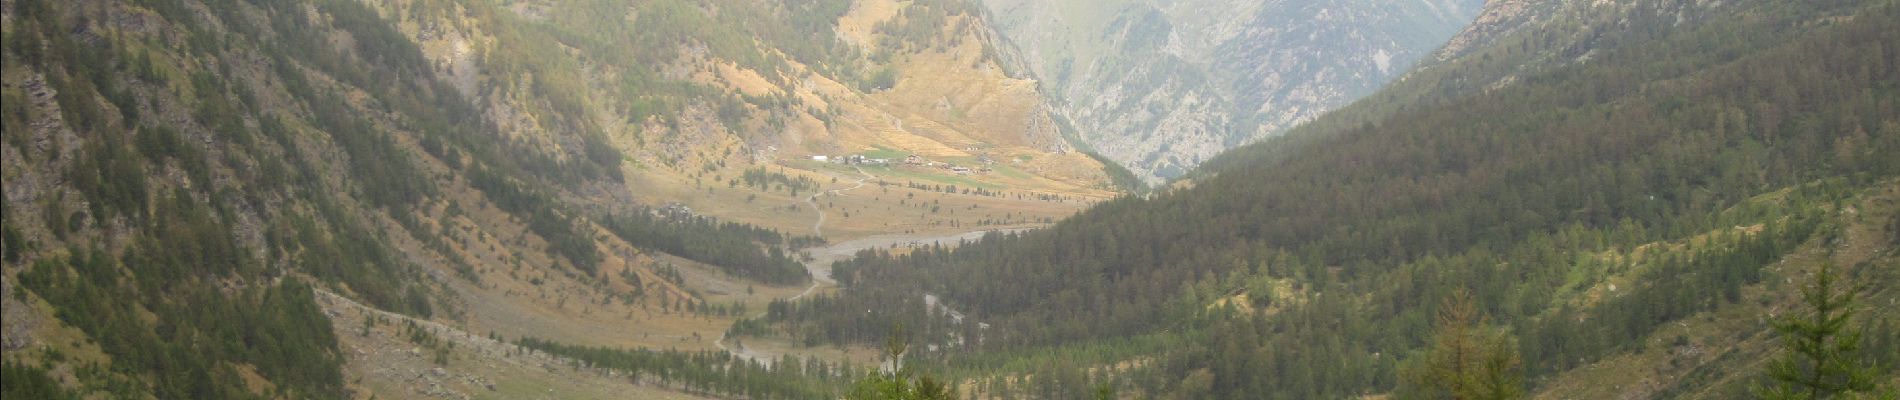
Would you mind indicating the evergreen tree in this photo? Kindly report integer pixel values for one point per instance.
(21, 381)
(900, 384)
(1468, 359)
(1822, 358)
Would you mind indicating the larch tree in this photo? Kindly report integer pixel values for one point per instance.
(1468, 359)
(1822, 360)
(900, 384)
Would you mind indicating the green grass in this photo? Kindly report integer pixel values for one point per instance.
(1011, 172)
(820, 166)
(898, 175)
(889, 173)
(886, 153)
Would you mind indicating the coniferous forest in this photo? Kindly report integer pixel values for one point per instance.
(1684, 164)
(1606, 199)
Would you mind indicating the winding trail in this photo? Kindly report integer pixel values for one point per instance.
(820, 270)
(818, 228)
(819, 266)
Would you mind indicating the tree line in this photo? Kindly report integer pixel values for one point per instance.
(1339, 236)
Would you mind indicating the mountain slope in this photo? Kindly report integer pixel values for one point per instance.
(184, 179)
(1627, 215)
(1162, 86)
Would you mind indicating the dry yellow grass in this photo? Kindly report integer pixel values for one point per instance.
(880, 129)
(519, 290)
(949, 102)
(856, 25)
(870, 209)
(746, 81)
(382, 363)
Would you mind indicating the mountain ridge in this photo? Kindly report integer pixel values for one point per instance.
(1627, 221)
(520, 169)
(461, 198)
(1161, 87)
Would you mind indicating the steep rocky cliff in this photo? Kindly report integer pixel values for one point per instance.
(1161, 86)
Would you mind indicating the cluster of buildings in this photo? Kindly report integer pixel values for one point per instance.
(855, 159)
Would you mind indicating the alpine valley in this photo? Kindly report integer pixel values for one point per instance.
(949, 199)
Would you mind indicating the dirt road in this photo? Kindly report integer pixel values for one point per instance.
(820, 268)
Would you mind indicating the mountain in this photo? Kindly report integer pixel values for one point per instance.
(199, 194)
(1628, 193)
(661, 199)
(1160, 86)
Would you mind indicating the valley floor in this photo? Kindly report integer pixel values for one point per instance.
(854, 208)
(819, 265)
(384, 363)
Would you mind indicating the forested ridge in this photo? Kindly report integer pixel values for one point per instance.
(710, 372)
(742, 250)
(185, 177)
(182, 176)
(1680, 165)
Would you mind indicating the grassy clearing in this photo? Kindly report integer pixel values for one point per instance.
(385, 363)
(906, 173)
(885, 153)
(1717, 354)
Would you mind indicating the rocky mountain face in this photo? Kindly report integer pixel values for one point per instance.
(678, 84)
(1161, 86)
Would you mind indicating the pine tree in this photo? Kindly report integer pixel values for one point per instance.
(1104, 391)
(895, 346)
(1822, 358)
(900, 384)
(1468, 359)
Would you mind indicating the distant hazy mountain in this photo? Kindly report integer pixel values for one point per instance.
(1160, 86)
